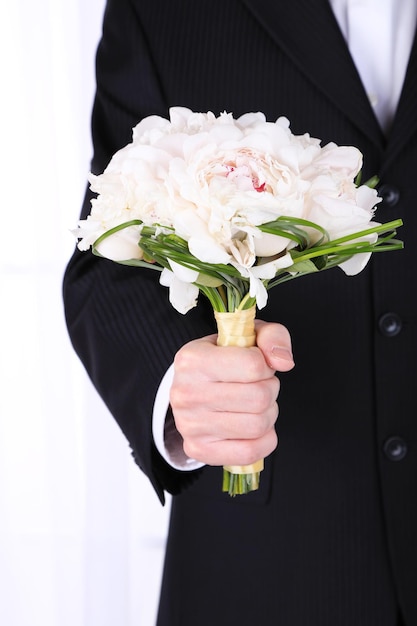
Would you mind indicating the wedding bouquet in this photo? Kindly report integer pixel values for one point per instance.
(231, 208)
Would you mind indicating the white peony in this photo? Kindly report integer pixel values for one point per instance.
(214, 181)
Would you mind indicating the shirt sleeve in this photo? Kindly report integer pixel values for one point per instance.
(168, 440)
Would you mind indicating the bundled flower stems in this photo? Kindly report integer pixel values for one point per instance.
(232, 208)
(238, 329)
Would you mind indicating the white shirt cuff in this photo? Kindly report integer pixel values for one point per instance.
(168, 440)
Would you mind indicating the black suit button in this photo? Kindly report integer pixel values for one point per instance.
(390, 324)
(395, 449)
(390, 195)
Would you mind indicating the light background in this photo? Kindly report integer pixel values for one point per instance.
(81, 532)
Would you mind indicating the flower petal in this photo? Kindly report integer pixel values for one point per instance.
(183, 273)
(269, 270)
(182, 295)
(257, 290)
(120, 246)
(355, 264)
(269, 245)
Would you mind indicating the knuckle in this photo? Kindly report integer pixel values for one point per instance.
(177, 396)
(183, 359)
(249, 454)
(256, 428)
(253, 451)
(271, 442)
(182, 395)
(264, 395)
(188, 428)
(192, 449)
(255, 366)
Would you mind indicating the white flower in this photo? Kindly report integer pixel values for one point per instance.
(121, 246)
(355, 264)
(213, 181)
(182, 294)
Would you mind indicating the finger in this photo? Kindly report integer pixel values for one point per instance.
(274, 341)
(253, 397)
(195, 423)
(232, 451)
(206, 361)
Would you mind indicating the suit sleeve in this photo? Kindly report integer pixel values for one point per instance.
(119, 319)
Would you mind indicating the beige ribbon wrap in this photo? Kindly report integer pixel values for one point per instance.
(238, 329)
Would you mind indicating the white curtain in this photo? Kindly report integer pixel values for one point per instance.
(81, 532)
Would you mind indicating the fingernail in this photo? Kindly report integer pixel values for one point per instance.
(278, 352)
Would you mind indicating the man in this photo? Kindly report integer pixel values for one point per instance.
(330, 537)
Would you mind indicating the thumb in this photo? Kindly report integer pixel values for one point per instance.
(274, 341)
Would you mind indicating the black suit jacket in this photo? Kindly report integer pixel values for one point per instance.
(330, 538)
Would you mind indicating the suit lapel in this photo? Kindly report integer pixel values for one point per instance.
(316, 45)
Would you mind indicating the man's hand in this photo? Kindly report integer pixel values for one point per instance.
(224, 399)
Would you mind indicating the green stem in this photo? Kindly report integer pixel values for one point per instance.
(246, 303)
(240, 484)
